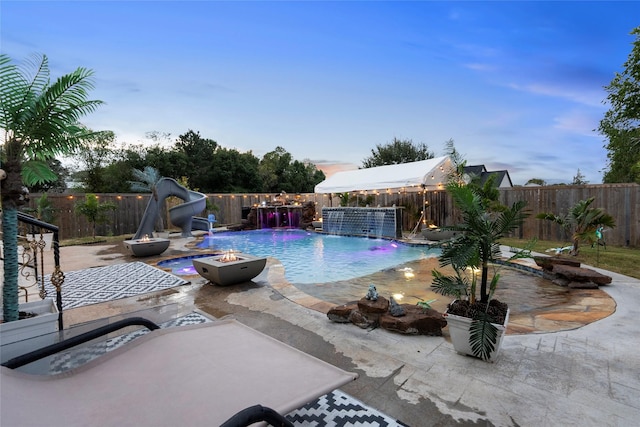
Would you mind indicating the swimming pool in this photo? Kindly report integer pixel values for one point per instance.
(310, 257)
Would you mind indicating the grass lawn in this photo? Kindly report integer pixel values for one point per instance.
(90, 240)
(617, 259)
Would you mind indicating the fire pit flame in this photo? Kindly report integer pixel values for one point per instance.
(228, 257)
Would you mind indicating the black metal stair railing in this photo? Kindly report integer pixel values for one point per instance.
(35, 247)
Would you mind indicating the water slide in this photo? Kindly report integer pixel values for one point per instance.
(181, 215)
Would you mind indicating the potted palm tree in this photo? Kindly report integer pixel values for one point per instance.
(40, 120)
(476, 320)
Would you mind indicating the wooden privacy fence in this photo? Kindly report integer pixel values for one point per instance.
(622, 201)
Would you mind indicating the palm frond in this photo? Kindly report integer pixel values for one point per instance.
(455, 286)
(483, 336)
(61, 105)
(460, 252)
(36, 172)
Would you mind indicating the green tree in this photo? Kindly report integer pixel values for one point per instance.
(300, 177)
(579, 179)
(199, 153)
(40, 120)
(169, 161)
(44, 209)
(280, 172)
(397, 152)
(581, 221)
(272, 167)
(536, 181)
(621, 123)
(96, 153)
(94, 211)
(233, 172)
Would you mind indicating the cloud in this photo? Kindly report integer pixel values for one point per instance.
(478, 66)
(330, 167)
(578, 122)
(591, 97)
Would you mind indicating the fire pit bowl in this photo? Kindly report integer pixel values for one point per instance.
(146, 246)
(229, 268)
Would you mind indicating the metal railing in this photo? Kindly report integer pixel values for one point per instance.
(35, 247)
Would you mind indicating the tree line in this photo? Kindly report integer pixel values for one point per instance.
(199, 163)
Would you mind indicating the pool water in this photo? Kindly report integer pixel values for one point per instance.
(182, 266)
(310, 257)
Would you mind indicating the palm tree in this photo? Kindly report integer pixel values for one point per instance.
(582, 221)
(40, 120)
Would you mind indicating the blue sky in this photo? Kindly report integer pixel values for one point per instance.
(516, 85)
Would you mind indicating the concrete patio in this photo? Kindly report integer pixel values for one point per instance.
(586, 376)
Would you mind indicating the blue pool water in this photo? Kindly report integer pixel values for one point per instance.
(182, 266)
(310, 257)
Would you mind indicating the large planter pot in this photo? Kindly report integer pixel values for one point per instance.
(22, 336)
(459, 333)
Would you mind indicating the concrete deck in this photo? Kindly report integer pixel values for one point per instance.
(585, 375)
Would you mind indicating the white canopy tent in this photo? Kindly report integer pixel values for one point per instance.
(430, 174)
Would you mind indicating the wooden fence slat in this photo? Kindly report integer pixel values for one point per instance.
(622, 201)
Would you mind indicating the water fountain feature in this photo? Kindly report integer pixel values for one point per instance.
(370, 222)
(334, 222)
(285, 216)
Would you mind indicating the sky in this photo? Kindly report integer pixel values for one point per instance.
(516, 85)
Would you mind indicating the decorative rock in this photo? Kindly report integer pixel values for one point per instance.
(548, 262)
(582, 285)
(379, 306)
(372, 293)
(395, 309)
(555, 279)
(578, 274)
(362, 321)
(416, 321)
(370, 314)
(341, 313)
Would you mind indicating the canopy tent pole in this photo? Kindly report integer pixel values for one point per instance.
(422, 217)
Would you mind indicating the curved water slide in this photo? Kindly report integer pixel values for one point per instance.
(181, 215)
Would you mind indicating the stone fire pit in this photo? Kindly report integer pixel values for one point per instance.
(229, 268)
(146, 246)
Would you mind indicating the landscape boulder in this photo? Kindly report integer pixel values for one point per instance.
(580, 275)
(341, 313)
(567, 272)
(416, 321)
(547, 262)
(371, 314)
